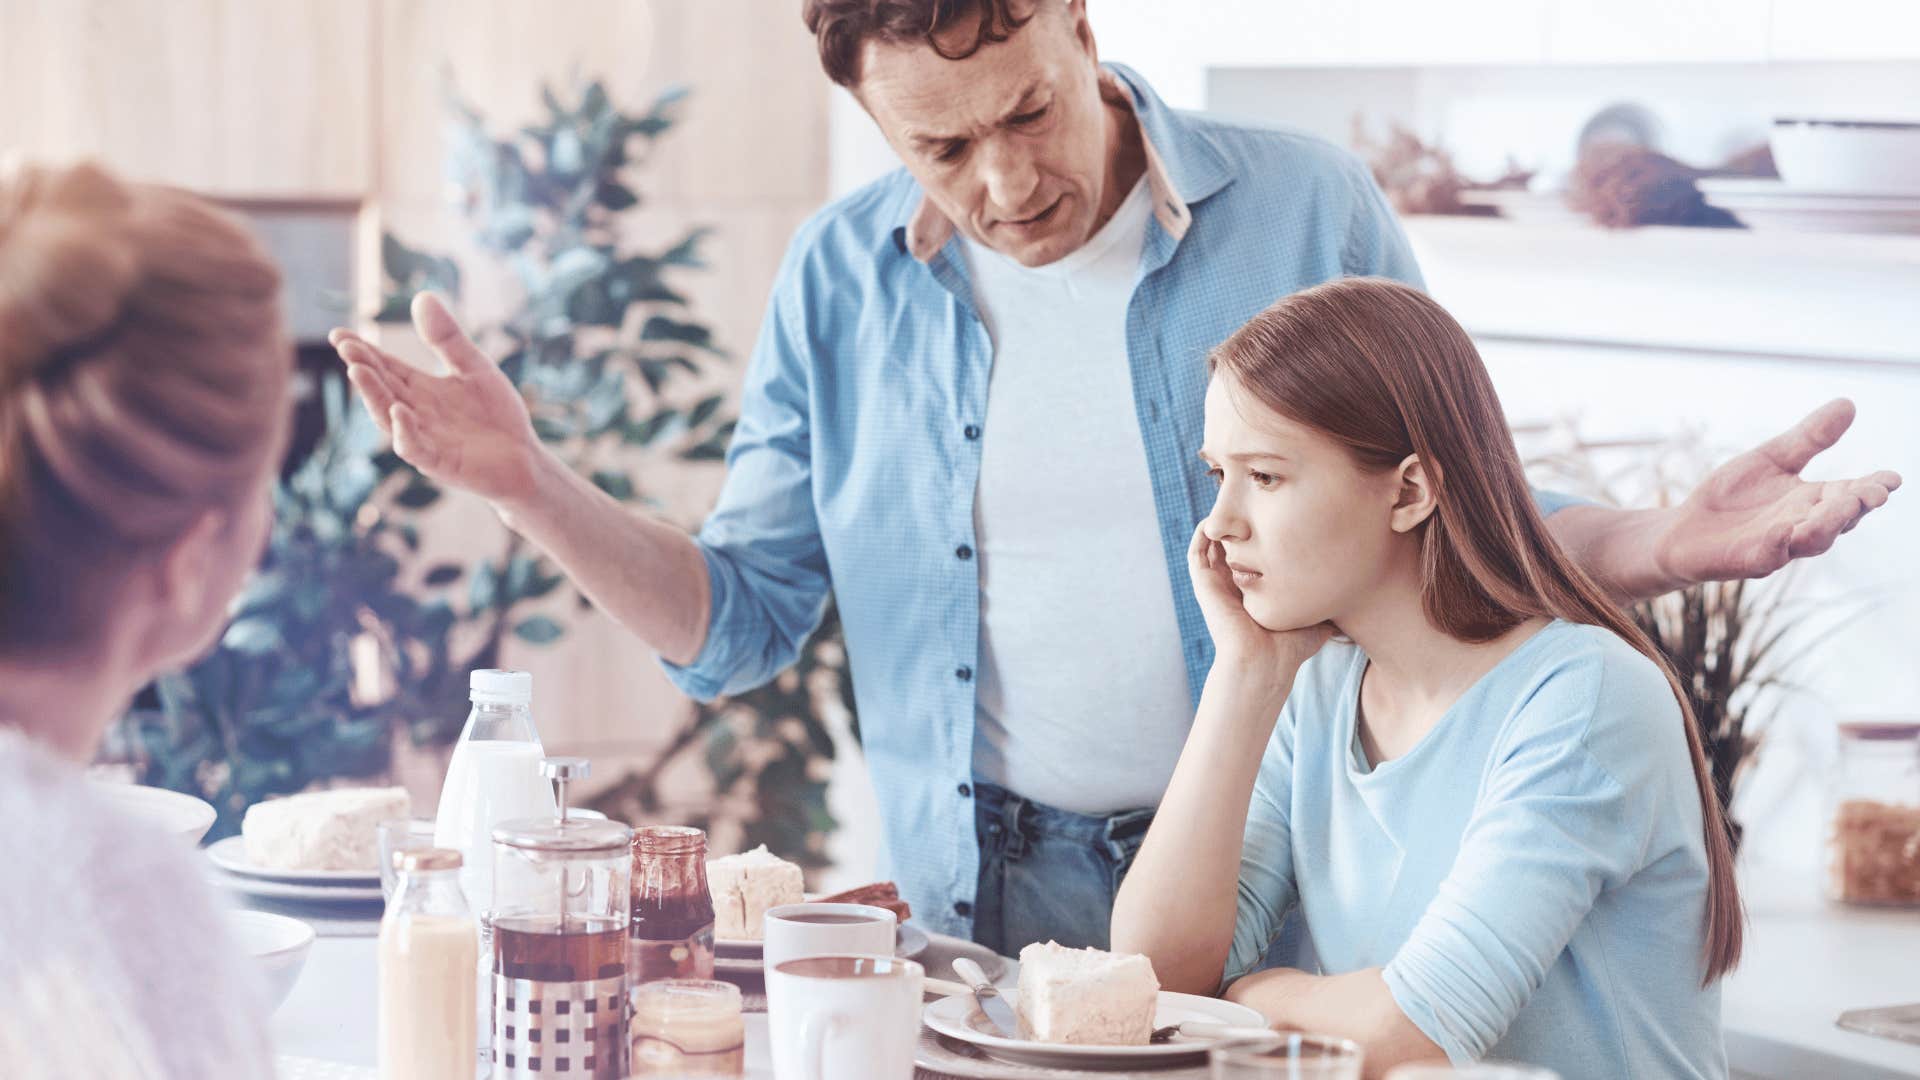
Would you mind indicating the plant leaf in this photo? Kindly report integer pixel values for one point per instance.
(539, 630)
(254, 635)
(661, 328)
(483, 588)
(646, 431)
(419, 493)
(617, 484)
(704, 411)
(616, 197)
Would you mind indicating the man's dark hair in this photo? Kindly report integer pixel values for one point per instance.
(842, 28)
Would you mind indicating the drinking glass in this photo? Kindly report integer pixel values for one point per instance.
(400, 834)
(1292, 1055)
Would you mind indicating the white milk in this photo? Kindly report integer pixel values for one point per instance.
(488, 781)
(426, 997)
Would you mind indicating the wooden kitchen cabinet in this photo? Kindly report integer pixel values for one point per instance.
(1847, 30)
(244, 97)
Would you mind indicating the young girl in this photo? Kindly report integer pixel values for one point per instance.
(1485, 795)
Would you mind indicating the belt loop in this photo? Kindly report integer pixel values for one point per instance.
(1016, 835)
(1125, 832)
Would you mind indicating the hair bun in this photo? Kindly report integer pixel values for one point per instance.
(66, 268)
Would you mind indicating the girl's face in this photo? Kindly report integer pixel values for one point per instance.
(1306, 529)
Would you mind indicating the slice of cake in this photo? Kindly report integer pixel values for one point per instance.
(1085, 996)
(322, 830)
(744, 886)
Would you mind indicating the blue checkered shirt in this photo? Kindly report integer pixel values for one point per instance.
(852, 470)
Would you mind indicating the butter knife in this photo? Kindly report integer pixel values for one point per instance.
(984, 995)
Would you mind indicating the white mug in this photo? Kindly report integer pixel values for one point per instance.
(792, 931)
(844, 1016)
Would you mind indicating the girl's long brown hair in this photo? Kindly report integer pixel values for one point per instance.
(1384, 370)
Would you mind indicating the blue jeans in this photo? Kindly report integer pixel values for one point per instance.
(1048, 874)
(1051, 875)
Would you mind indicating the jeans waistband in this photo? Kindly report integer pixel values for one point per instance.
(1010, 822)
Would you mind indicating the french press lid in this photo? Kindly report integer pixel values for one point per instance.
(564, 833)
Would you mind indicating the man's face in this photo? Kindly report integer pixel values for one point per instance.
(1010, 143)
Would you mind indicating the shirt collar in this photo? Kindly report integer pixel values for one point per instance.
(1183, 167)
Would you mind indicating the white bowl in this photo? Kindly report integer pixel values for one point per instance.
(178, 813)
(278, 944)
(1851, 157)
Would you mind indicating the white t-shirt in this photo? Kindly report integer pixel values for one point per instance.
(1082, 694)
(114, 960)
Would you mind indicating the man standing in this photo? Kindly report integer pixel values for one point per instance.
(972, 416)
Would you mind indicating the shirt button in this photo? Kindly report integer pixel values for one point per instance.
(963, 673)
(963, 552)
(962, 908)
(966, 791)
(972, 431)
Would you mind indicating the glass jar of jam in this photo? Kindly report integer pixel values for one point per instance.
(688, 1027)
(670, 929)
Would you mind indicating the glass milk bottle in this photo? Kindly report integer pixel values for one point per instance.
(559, 956)
(429, 944)
(494, 776)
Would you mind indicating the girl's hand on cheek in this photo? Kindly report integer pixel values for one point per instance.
(1240, 644)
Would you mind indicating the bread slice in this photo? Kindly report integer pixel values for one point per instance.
(322, 830)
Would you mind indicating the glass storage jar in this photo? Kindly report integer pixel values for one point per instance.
(1873, 815)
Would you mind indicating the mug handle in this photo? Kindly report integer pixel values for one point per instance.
(814, 1029)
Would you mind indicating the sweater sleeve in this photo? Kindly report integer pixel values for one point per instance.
(1267, 889)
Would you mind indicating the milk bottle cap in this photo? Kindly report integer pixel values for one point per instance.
(496, 687)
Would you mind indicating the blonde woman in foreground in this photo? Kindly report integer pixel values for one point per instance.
(143, 410)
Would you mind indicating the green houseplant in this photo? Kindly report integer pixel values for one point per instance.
(610, 358)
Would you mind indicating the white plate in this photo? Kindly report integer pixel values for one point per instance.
(293, 890)
(1752, 189)
(958, 1018)
(231, 855)
(1771, 204)
(743, 956)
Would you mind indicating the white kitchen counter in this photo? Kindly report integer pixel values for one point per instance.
(1806, 962)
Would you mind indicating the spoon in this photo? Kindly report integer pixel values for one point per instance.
(1197, 1029)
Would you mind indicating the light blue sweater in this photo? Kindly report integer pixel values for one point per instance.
(1531, 875)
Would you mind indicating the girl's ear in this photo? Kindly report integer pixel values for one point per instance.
(1418, 495)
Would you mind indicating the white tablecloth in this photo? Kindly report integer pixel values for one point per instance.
(326, 1028)
(331, 1016)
